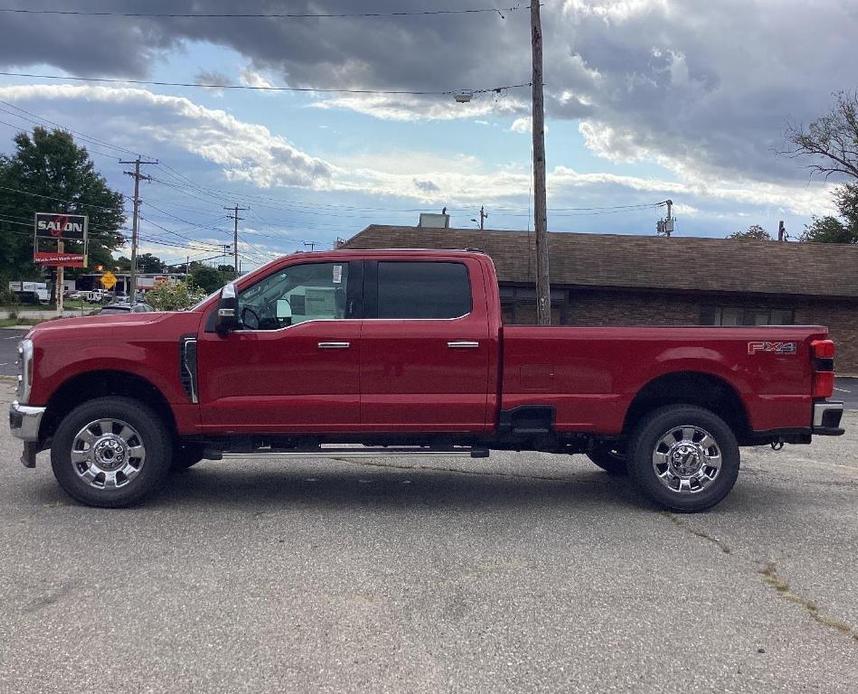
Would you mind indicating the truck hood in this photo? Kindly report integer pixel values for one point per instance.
(151, 324)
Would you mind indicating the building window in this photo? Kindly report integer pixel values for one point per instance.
(746, 315)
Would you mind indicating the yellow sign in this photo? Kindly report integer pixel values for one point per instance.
(108, 280)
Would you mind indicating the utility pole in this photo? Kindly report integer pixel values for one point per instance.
(543, 286)
(234, 216)
(311, 244)
(138, 162)
(483, 215)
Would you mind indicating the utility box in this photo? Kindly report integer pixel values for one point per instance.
(434, 221)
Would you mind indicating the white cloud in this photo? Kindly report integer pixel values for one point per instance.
(522, 125)
(251, 153)
(251, 78)
(415, 108)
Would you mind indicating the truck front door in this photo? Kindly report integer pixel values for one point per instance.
(294, 364)
(424, 347)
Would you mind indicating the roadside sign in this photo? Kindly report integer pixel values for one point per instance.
(108, 280)
(55, 259)
(62, 227)
(52, 230)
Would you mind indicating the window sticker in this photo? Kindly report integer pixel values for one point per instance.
(338, 274)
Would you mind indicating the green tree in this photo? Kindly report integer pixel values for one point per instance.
(754, 232)
(842, 229)
(49, 172)
(207, 278)
(831, 145)
(149, 263)
(174, 296)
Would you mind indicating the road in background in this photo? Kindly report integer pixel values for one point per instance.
(846, 389)
(9, 339)
(515, 573)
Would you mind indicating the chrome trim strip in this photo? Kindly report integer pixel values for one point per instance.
(25, 365)
(191, 372)
(28, 418)
(820, 408)
(463, 344)
(239, 331)
(334, 345)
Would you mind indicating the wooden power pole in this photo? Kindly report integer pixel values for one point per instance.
(235, 209)
(137, 176)
(543, 286)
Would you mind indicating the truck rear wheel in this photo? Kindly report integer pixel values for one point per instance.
(610, 458)
(111, 452)
(684, 458)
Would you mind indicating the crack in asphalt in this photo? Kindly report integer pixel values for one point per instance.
(776, 582)
(773, 580)
(678, 522)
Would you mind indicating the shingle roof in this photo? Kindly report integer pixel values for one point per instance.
(679, 263)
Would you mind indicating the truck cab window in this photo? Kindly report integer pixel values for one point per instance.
(423, 290)
(299, 293)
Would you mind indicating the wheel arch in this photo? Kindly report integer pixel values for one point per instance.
(699, 388)
(94, 384)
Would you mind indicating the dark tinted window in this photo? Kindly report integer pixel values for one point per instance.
(423, 290)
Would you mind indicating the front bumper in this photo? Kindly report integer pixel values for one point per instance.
(826, 418)
(25, 420)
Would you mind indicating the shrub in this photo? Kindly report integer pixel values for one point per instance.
(174, 296)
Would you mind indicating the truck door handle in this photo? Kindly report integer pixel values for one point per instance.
(334, 345)
(463, 344)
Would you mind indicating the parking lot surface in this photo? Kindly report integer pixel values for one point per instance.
(519, 572)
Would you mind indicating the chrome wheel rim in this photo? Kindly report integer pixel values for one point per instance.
(686, 459)
(108, 453)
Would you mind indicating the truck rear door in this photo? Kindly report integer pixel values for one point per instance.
(424, 346)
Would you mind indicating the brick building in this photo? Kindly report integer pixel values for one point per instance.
(605, 279)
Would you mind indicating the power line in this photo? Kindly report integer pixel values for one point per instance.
(259, 88)
(267, 15)
(81, 135)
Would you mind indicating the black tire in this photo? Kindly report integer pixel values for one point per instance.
(186, 456)
(658, 425)
(153, 434)
(610, 458)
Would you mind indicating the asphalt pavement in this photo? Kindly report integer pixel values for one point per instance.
(9, 339)
(516, 573)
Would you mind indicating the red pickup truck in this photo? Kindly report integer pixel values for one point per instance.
(404, 351)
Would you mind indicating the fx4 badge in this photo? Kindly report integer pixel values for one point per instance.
(776, 347)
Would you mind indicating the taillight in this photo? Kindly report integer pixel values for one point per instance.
(823, 368)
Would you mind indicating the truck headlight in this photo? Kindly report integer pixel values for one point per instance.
(25, 370)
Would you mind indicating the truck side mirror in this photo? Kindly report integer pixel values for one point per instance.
(227, 310)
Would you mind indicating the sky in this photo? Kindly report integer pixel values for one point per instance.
(646, 100)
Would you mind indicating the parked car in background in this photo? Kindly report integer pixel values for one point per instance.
(125, 307)
(31, 292)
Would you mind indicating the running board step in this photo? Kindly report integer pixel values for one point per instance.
(362, 452)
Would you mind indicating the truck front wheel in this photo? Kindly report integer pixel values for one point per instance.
(684, 457)
(111, 452)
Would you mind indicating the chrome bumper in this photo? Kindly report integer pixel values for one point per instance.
(25, 420)
(826, 418)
